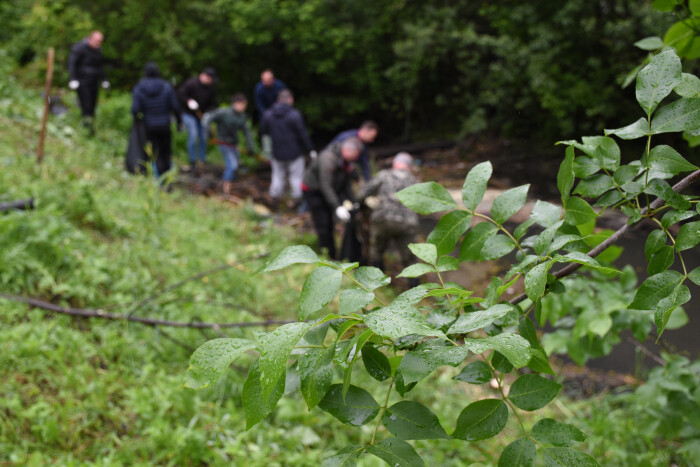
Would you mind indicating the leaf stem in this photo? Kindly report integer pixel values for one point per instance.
(383, 409)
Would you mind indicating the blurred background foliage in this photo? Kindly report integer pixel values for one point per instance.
(540, 69)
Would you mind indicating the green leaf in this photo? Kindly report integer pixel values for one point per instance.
(539, 362)
(595, 185)
(654, 289)
(474, 240)
(546, 214)
(585, 166)
(475, 185)
(683, 38)
(532, 392)
(352, 300)
(426, 198)
(536, 281)
(661, 260)
(257, 406)
(688, 236)
(552, 432)
(211, 359)
(544, 239)
(426, 357)
(679, 296)
(376, 363)
(664, 5)
(346, 457)
(508, 203)
(424, 251)
(275, 348)
(565, 176)
(567, 457)
(411, 420)
(496, 247)
(694, 275)
(675, 216)
(371, 278)
(625, 174)
(666, 159)
(476, 372)
(481, 420)
(358, 407)
(396, 452)
(357, 343)
(656, 80)
(448, 230)
(680, 115)
(519, 453)
(447, 263)
(319, 289)
(292, 255)
(315, 370)
(582, 258)
(689, 86)
(650, 43)
(416, 270)
(468, 322)
(514, 347)
(578, 212)
(606, 151)
(635, 130)
(661, 189)
(398, 320)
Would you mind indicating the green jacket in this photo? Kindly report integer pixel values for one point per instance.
(228, 123)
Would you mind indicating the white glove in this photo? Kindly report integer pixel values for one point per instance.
(372, 202)
(192, 104)
(73, 84)
(342, 213)
(313, 154)
(105, 84)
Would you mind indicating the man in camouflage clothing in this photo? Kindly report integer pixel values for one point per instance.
(390, 219)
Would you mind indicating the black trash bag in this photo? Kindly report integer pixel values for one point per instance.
(136, 156)
(356, 237)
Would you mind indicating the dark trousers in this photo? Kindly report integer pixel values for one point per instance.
(161, 145)
(322, 216)
(87, 96)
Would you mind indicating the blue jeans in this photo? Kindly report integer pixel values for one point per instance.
(230, 155)
(195, 133)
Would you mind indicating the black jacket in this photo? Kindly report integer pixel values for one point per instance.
(85, 63)
(285, 126)
(194, 89)
(155, 99)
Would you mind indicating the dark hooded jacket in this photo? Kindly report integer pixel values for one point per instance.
(285, 126)
(155, 99)
(330, 175)
(85, 64)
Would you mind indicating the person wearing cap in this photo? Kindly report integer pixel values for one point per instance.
(154, 100)
(390, 219)
(367, 133)
(197, 96)
(327, 184)
(85, 73)
(266, 91)
(285, 142)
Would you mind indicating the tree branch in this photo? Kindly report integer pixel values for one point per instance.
(90, 313)
(568, 270)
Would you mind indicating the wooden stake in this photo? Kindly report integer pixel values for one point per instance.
(47, 99)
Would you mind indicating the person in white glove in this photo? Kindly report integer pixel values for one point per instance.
(197, 96)
(86, 73)
(327, 182)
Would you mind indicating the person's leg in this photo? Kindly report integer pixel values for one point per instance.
(322, 217)
(296, 176)
(191, 124)
(278, 176)
(202, 136)
(377, 244)
(230, 156)
(162, 149)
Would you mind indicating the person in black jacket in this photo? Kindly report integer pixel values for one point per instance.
(154, 100)
(285, 142)
(86, 72)
(197, 96)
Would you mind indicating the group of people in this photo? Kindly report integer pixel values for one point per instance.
(324, 187)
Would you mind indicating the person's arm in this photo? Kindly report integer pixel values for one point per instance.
(175, 107)
(248, 137)
(302, 134)
(370, 189)
(184, 92)
(364, 164)
(326, 167)
(257, 95)
(136, 104)
(74, 60)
